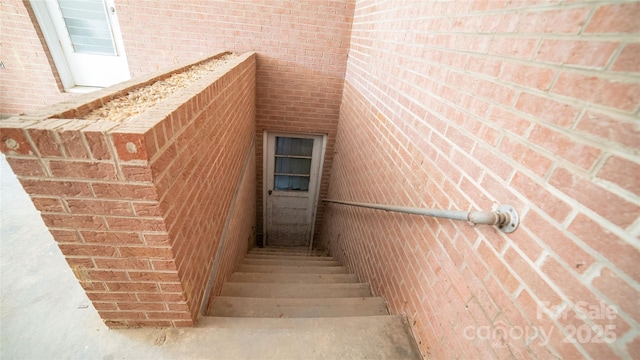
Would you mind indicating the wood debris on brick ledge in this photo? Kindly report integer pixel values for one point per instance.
(139, 100)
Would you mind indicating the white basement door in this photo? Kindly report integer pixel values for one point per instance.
(292, 184)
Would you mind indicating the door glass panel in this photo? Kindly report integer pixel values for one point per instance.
(291, 183)
(294, 146)
(292, 164)
(287, 165)
(88, 26)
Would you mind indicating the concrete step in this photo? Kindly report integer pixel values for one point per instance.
(283, 249)
(293, 278)
(275, 290)
(287, 262)
(367, 337)
(293, 269)
(286, 251)
(289, 257)
(296, 307)
(280, 253)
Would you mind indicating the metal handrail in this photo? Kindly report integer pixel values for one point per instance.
(506, 218)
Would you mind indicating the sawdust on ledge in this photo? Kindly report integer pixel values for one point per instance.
(139, 100)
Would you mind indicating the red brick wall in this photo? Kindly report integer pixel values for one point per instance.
(464, 105)
(198, 172)
(301, 45)
(239, 234)
(27, 81)
(137, 208)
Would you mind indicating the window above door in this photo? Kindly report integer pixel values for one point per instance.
(84, 40)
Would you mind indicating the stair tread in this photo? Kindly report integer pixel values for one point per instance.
(370, 337)
(287, 254)
(285, 250)
(296, 254)
(291, 305)
(293, 269)
(288, 257)
(277, 290)
(288, 262)
(297, 307)
(293, 278)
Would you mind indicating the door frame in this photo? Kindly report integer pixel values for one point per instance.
(314, 193)
(50, 35)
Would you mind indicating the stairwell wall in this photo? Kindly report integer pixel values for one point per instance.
(240, 232)
(469, 104)
(138, 208)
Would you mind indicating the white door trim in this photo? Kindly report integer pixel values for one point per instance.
(51, 38)
(316, 196)
(41, 10)
(314, 193)
(265, 148)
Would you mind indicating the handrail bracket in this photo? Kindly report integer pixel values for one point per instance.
(511, 219)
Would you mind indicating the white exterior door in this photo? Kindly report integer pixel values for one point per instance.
(89, 38)
(293, 169)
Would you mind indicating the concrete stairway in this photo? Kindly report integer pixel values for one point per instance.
(293, 304)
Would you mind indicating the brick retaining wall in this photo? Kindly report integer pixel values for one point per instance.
(467, 104)
(138, 208)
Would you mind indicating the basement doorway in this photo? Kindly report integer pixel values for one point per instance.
(292, 172)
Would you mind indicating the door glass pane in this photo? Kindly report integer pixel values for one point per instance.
(286, 165)
(291, 183)
(292, 164)
(88, 26)
(294, 146)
